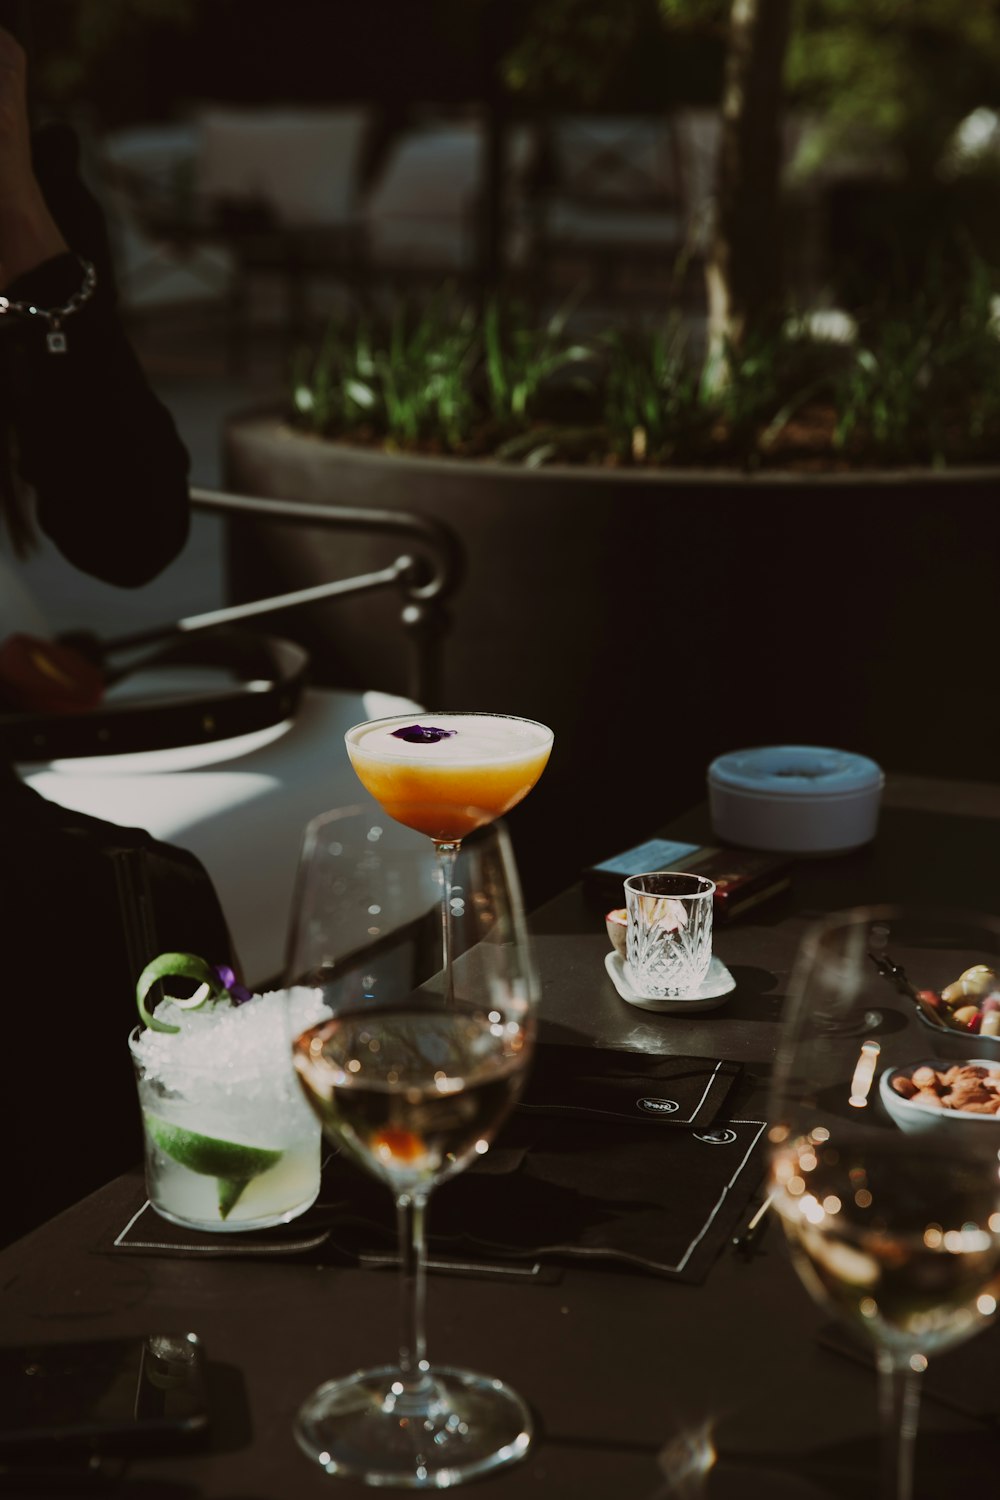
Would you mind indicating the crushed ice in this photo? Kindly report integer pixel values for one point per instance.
(233, 1042)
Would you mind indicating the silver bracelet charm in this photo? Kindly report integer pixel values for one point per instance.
(53, 317)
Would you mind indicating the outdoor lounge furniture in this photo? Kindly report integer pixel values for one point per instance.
(240, 802)
(423, 213)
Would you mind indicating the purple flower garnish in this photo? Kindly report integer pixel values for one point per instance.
(418, 734)
(238, 993)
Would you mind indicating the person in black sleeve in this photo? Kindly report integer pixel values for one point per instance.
(86, 442)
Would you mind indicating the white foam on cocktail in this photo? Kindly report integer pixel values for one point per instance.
(479, 739)
(231, 1065)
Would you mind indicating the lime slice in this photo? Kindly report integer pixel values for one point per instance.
(230, 1161)
(230, 1192)
(177, 966)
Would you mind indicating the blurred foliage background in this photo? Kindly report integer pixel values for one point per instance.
(899, 74)
(902, 100)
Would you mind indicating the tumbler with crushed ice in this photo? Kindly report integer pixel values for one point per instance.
(230, 1142)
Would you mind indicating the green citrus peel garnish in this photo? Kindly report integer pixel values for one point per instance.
(177, 966)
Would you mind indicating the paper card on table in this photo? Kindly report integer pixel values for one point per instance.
(629, 1087)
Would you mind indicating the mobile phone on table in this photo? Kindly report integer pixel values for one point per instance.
(744, 878)
(114, 1396)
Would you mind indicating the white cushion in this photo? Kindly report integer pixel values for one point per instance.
(303, 163)
(18, 611)
(240, 805)
(422, 209)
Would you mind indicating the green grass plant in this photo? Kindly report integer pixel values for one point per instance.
(920, 386)
(925, 387)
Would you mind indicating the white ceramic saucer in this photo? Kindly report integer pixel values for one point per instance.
(711, 993)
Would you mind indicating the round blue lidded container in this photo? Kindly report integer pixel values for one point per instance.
(795, 799)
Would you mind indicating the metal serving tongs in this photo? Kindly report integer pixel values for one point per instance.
(896, 975)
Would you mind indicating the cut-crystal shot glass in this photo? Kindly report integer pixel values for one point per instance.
(669, 936)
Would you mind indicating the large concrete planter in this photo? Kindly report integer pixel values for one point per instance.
(656, 619)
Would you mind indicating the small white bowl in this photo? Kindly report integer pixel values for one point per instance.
(915, 1118)
(964, 1038)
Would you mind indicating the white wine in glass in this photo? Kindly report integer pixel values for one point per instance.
(411, 1076)
(897, 1233)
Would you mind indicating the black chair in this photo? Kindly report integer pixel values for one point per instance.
(213, 738)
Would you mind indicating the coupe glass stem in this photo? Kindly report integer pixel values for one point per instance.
(446, 853)
(899, 1406)
(413, 1367)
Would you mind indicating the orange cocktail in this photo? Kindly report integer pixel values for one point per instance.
(445, 774)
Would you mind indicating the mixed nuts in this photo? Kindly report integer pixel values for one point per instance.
(970, 1003)
(973, 1088)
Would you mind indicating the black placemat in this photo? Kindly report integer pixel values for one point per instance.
(661, 1200)
(147, 1233)
(552, 1190)
(602, 1083)
(613, 1156)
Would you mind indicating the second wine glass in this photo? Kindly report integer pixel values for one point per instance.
(896, 1230)
(411, 1076)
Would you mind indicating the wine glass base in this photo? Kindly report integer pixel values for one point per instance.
(463, 1425)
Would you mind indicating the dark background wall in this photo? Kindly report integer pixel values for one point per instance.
(128, 61)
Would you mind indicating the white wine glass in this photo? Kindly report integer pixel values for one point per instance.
(411, 1077)
(891, 1211)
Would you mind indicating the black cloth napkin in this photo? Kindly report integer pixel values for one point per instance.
(604, 1083)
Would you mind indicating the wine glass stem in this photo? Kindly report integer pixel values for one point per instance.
(446, 853)
(899, 1406)
(413, 1367)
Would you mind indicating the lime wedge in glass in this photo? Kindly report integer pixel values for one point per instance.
(230, 1161)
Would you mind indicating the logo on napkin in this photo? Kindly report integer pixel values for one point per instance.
(601, 1083)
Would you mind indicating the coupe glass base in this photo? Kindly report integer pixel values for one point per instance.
(463, 1425)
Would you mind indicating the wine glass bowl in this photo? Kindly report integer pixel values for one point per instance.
(423, 1056)
(904, 1247)
(413, 1096)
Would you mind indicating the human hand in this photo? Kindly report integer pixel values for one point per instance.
(16, 174)
(28, 233)
(46, 677)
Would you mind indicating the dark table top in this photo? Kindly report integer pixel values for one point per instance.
(616, 1366)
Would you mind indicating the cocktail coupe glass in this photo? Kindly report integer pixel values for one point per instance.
(898, 1233)
(411, 1077)
(448, 775)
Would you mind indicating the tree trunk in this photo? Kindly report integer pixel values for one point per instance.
(743, 274)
